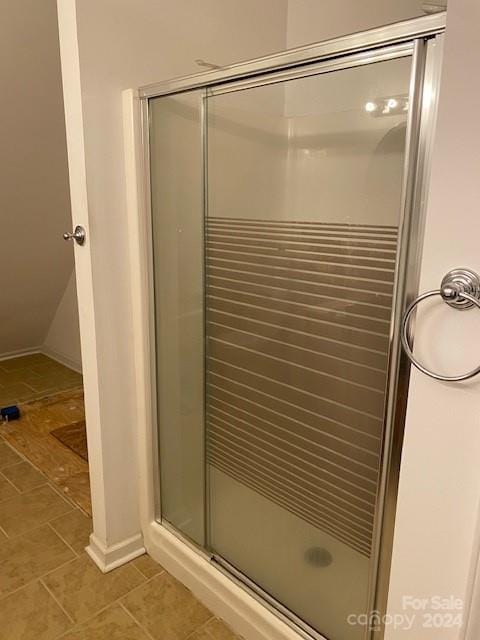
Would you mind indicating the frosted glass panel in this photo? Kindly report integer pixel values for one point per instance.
(177, 219)
(304, 198)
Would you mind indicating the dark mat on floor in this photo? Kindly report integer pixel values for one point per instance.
(73, 436)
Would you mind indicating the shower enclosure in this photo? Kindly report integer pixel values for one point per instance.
(286, 199)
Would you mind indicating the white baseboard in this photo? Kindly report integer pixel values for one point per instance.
(61, 358)
(8, 355)
(224, 597)
(109, 558)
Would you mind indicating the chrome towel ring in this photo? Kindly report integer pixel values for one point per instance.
(460, 288)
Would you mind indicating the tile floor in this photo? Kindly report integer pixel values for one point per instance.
(49, 588)
(31, 437)
(29, 377)
(54, 398)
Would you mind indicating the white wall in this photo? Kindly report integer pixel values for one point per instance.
(334, 141)
(315, 20)
(125, 44)
(34, 194)
(63, 338)
(435, 534)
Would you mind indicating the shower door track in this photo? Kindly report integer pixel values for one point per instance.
(414, 37)
(301, 627)
(401, 32)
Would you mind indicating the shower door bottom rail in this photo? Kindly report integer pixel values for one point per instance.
(265, 599)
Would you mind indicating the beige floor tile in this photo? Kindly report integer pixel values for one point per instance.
(52, 370)
(24, 362)
(148, 566)
(112, 624)
(40, 383)
(31, 436)
(72, 398)
(166, 609)
(54, 381)
(29, 510)
(29, 556)
(8, 456)
(77, 488)
(24, 476)
(74, 528)
(18, 375)
(83, 590)
(28, 377)
(46, 453)
(215, 630)
(48, 413)
(201, 634)
(46, 363)
(15, 392)
(31, 614)
(6, 490)
(44, 419)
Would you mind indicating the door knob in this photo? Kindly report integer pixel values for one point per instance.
(78, 235)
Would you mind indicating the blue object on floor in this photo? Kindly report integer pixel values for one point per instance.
(10, 413)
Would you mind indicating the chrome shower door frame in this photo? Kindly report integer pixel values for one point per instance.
(422, 39)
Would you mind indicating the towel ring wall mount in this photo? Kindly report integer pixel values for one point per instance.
(460, 289)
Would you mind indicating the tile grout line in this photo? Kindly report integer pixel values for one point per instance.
(37, 486)
(23, 458)
(21, 493)
(36, 526)
(26, 493)
(12, 448)
(62, 538)
(132, 617)
(52, 484)
(8, 480)
(62, 494)
(122, 604)
(17, 464)
(85, 513)
(145, 581)
(29, 386)
(52, 595)
(55, 488)
(36, 579)
(60, 566)
(43, 375)
(70, 561)
(137, 569)
(77, 508)
(202, 626)
(72, 507)
(60, 395)
(113, 602)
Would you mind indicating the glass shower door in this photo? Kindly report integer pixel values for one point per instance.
(304, 198)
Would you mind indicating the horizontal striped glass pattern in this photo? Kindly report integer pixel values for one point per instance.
(297, 320)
